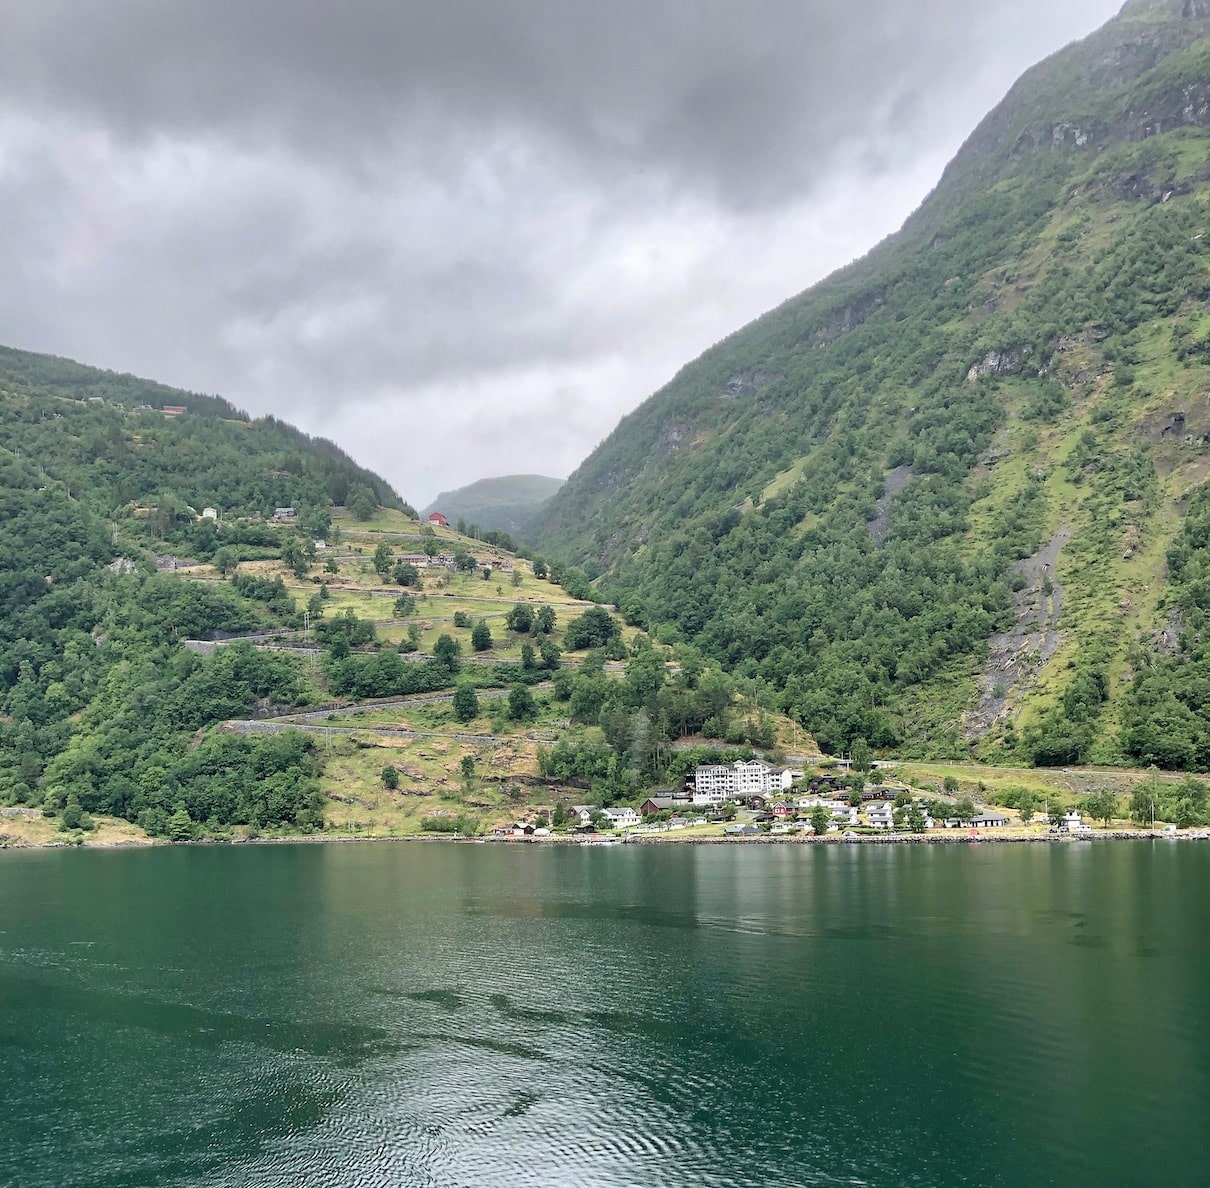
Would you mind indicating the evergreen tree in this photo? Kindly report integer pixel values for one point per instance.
(180, 825)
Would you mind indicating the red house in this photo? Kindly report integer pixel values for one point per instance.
(439, 519)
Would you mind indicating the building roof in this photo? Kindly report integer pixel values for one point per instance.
(618, 814)
(998, 818)
(660, 802)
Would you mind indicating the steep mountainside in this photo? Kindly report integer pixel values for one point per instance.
(512, 503)
(953, 497)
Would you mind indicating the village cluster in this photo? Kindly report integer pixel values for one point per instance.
(783, 800)
(752, 798)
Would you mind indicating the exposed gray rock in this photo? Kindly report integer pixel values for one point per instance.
(747, 383)
(848, 318)
(1015, 657)
(895, 481)
(1004, 361)
(675, 432)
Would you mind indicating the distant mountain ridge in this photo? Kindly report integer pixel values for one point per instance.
(249, 465)
(952, 498)
(511, 503)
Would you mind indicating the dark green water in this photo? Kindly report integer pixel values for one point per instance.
(495, 1015)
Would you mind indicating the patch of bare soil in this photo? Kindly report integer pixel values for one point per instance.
(1015, 657)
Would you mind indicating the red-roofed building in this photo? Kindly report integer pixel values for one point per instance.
(439, 519)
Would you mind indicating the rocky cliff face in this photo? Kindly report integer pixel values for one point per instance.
(1085, 97)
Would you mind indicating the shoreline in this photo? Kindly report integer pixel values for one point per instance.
(943, 838)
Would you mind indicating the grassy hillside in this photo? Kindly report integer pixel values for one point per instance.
(474, 695)
(951, 500)
(512, 503)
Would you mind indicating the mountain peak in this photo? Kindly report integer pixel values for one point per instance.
(1185, 10)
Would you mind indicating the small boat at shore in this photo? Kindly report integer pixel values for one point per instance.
(601, 841)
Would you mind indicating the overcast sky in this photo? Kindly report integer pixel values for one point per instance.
(461, 238)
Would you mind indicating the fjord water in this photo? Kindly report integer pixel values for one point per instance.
(520, 1015)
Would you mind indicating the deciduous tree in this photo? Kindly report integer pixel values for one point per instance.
(466, 703)
(521, 707)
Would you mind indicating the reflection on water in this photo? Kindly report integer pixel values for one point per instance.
(465, 1015)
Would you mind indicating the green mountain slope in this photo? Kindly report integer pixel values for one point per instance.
(952, 498)
(512, 503)
(108, 431)
(102, 709)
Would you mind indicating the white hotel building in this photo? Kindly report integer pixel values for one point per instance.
(721, 783)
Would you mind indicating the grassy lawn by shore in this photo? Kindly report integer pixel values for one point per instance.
(28, 827)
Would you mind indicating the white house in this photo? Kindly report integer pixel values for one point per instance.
(810, 802)
(580, 814)
(1073, 824)
(987, 819)
(714, 784)
(880, 815)
(209, 513)
(621, 818)
(990, 820)
(843, 814)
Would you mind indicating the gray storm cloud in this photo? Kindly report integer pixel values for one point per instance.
(463, 238)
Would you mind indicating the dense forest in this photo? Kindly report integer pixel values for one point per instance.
(100, 704)
(848, 502)
(105, 437)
